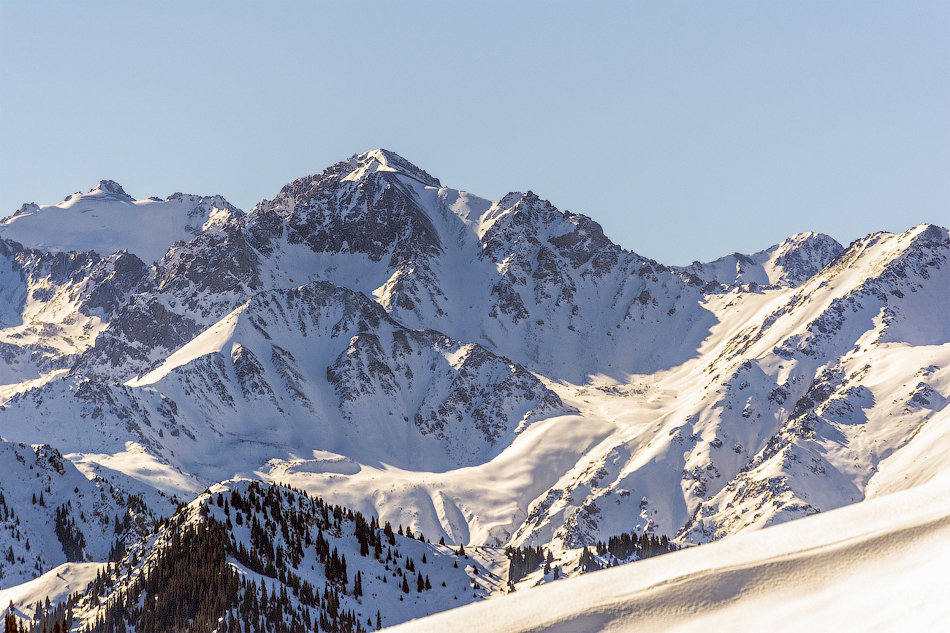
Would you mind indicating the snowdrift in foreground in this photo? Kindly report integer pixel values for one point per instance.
(881, 562)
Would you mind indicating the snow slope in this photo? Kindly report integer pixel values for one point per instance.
(56, 585)
(878, 565)
(36, 484)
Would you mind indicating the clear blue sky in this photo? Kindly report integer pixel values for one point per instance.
(688, 130)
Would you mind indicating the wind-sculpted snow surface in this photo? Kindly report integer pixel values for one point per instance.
(493, 373)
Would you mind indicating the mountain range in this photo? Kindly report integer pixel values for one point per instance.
(492, 374)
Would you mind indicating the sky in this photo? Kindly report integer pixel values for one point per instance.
(687, 129)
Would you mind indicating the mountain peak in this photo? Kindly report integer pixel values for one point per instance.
(376, 160)
(109, 187)
(789, 263)
(811, 237)
(929, 232)
(28, 207)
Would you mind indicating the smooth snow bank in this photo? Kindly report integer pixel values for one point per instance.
(879, 565)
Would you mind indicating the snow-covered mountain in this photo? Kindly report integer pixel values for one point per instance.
(489, 373)
(107, 219)
(511, 275)
(50, 513)
(790, 263)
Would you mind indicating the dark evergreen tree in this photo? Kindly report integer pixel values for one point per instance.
(69, 535)
(523, 561)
